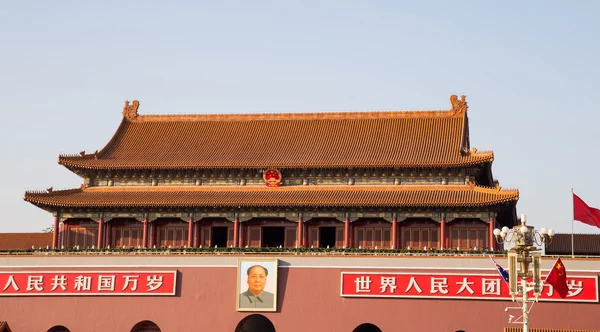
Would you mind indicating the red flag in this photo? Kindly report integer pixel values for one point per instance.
(558, 279)
(582, 212)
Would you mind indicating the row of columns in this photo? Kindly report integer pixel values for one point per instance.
(301, 232)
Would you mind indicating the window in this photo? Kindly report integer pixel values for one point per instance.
(468, 237)
(419, 237)
(84, 237)
(373, 236)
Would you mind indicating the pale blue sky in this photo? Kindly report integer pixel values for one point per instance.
(530, 71)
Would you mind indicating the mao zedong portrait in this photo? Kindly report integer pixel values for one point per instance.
(255, 296)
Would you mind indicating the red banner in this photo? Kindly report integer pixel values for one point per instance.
(460, 286)
(127, 283)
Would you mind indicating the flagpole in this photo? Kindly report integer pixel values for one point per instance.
(572, 222)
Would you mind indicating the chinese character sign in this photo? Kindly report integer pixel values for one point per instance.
(88, 283)
(486, 287)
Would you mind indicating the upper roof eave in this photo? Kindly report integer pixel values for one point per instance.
(234, 196)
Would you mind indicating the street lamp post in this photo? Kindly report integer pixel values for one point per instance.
(524, 253)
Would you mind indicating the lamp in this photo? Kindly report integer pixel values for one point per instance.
(525, 238)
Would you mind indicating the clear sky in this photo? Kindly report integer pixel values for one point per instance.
(530, 71)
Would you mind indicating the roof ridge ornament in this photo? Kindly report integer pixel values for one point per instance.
(130, 111)
(459, 106)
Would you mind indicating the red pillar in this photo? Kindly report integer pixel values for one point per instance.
(395, 232)
(305, 234)
(107, 231)
(151, 231)
(442, 233)
(190, 232)
(491, 233)
(145, 234)
(196, 234)
(64, 231)
(100, 232)
(347, 231)
(243, 229)
(236, 230)
(299, 231)
(55, 234)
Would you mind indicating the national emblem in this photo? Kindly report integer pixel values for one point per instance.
(272, 177)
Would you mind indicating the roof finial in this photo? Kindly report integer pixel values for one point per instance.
(130, 110)
(459, 105)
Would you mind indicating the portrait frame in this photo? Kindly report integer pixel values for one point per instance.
(244, 302)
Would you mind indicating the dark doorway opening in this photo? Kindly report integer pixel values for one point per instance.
(255, 323)
(219, 237)
(273, 236)
(326, 237)
(145, 326)
(366, 327)
(58, 328)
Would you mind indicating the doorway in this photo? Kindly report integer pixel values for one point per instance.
(255, 323)
(219, 237)
(273, 237)
(326, 237)
(366, 327)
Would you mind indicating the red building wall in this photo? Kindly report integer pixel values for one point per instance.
(308, 297)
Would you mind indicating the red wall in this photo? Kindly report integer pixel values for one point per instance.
(309, 300)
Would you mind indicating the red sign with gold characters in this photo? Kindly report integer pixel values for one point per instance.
(272, 177)
(454, 286)
(127, 283)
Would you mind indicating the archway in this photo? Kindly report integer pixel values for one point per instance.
(58, 328)
(145, 326)
(366, 327)
(255, 323)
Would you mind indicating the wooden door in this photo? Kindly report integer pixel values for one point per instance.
(339, 237)
(254, 236)
(290, 237)
(230, 236)
(314, 237)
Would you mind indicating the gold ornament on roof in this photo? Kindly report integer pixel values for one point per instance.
(459, 105)
(130, 110)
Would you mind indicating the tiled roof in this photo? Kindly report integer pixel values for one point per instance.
(318, 140)
(191, 196)
(584, 244)
(24, 241)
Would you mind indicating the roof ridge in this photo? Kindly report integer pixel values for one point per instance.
(51, 190)
(459, 108)
(303, 116)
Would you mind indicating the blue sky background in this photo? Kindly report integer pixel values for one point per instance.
(530, 71)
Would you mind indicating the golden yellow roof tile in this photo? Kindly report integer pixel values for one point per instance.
(346, 196)
(318, 140)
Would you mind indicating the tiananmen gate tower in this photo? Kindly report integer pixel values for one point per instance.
(348, 221)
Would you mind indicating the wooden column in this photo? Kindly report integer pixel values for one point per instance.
(443, 233)
(196, 233)
(347, 231)
(64, 231)
(305, 235)
(236, 230)
(100, 232)
(145, 234)
(395, 232)
(190, 240)
(299, 231)
(55, 234)
(107, 233)
(243, 230)
(151, 231)
(491, 233)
